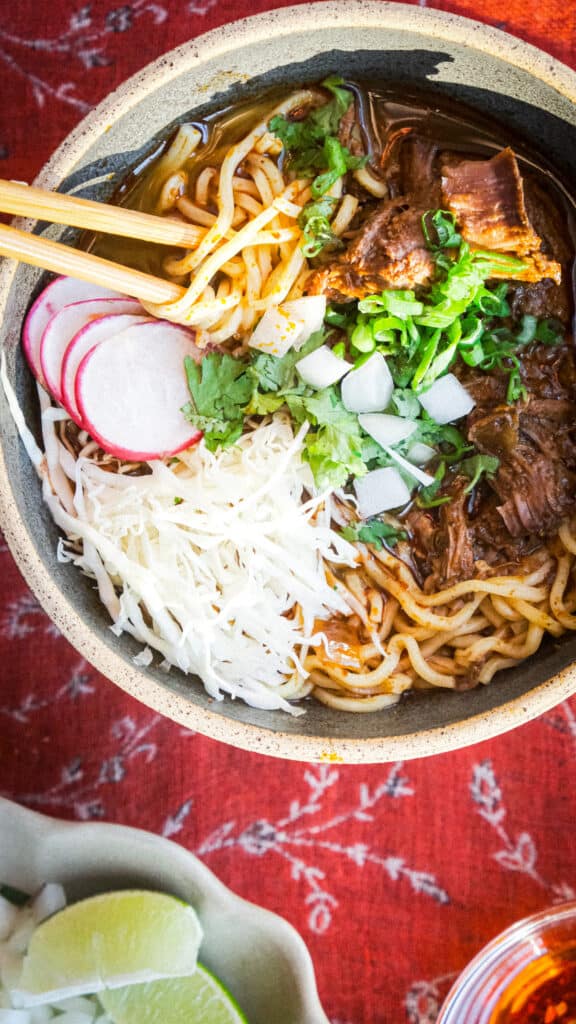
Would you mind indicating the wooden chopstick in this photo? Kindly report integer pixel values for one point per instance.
(29, 201)
(63, 259)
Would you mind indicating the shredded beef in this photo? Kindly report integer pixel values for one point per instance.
(534, 488)
(349, 132)
(487, 199)
(390, 250)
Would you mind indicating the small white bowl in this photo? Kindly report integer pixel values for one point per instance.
(257, 955)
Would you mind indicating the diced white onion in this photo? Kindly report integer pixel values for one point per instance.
(447, 400)
(311, 310)
(369, 388)
(289, 325)
(22, 933)
(322, 368)
(8, 918)
(386, 429)
(76, 1004)
(49, 900)
(14, 1017)
(423, 478)
(277, 332)
(421, 453)
(10, 968)
(40, 1014)
(379, 491)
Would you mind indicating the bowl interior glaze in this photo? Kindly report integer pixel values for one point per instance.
(526, 90)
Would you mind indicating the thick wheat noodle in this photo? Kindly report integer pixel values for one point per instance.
(557, 603)
(253, 278)
(415, 649)
(250, 204)
(172, 189)
(262, 183)
(269, 169)
(538, 616)
(507, 586)
(276, 293)
(494, 665)
(503, 609)
(202, 185)
(194, 213)
(232, 160)
(356, 704)
(567, 538)
(345, 213)
(183, 309)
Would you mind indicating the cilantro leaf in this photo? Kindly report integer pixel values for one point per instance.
(220, 390)
(374, 532)
(314, 220)
(311, 144)
(475, 466)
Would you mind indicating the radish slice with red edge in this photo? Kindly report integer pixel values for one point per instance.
(130, 391)
(62, 327)
(56, 295)
(91, 334)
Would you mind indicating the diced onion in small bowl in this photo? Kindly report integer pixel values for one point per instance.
(322, 368)
(15, 1017)
(369, 388)
(49, 900)
(380, 491)
(310, 310)
(385, 428)
(419, 454)
(8, 918)
(447, 400)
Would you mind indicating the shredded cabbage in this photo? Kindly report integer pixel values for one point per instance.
(212, 560)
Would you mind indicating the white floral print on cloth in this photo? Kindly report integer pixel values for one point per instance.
(395, 874)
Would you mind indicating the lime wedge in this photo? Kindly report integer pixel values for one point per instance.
(108, 941)
(199, 999)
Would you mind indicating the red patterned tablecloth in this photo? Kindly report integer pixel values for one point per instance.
(394, 875)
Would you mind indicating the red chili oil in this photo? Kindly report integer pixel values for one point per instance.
(543, 993)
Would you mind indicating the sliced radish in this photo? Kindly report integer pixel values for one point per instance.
(369, 388)
(447, 400)
(62, 327)
(131, 388)
(386, 429)
(380, 491)
(322, 368)
(88, 336)
(56, 295)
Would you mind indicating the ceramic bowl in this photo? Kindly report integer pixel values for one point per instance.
(524, 958)
(491, 71)
(258, 956)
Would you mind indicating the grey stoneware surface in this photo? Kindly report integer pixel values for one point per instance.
(258, 956)
(526, 90)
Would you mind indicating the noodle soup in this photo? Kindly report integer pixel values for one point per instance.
(383, 380)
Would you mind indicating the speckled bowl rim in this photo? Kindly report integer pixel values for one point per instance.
(217, 43)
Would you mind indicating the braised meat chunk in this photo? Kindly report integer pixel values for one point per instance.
(389, 250)
(487, 200)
